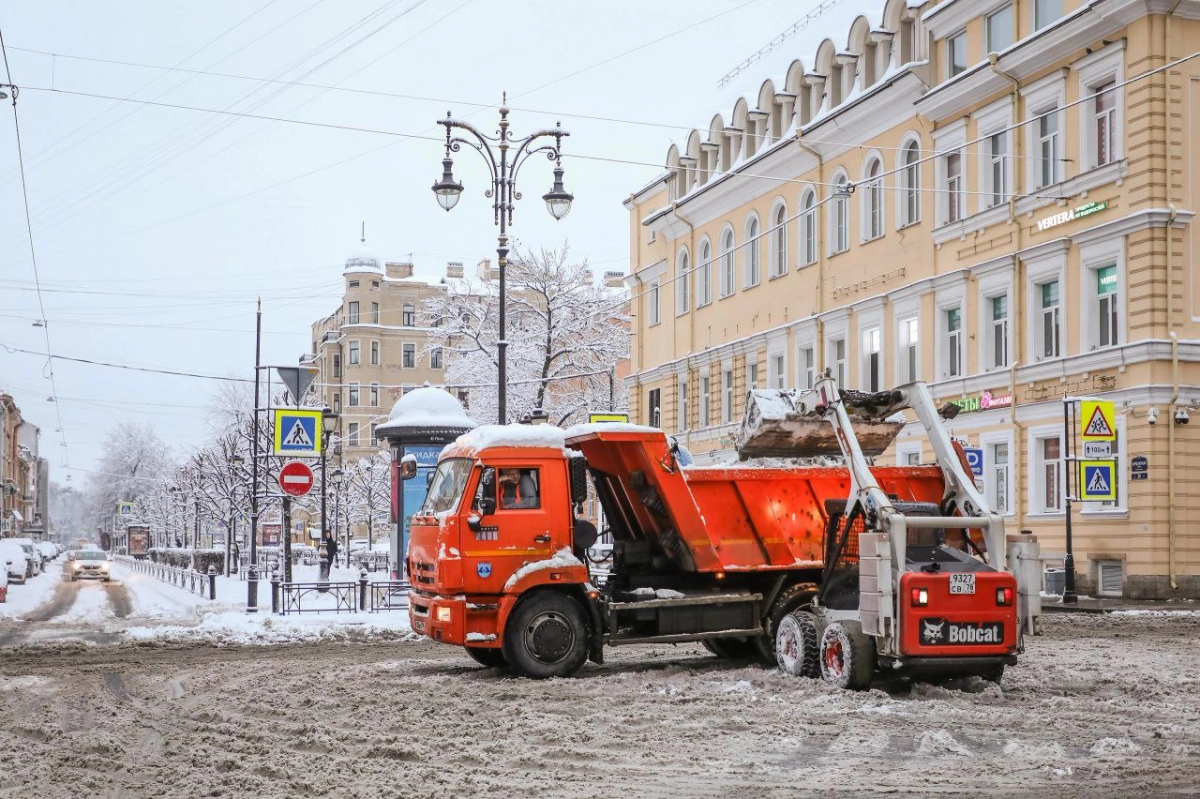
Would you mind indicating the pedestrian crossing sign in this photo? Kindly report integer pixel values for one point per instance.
(1096, 420)
(1097, 480)
(298, 433)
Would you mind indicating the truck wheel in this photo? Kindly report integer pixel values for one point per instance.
(489, 658)
(546, 636)
(847, 656)
(796, 645)
(732, 648)
(797, 597)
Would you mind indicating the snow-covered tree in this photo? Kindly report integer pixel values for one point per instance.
(566, 336)
(366, 494)
(134, 461)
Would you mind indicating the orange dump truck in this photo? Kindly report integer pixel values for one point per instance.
(740, 558)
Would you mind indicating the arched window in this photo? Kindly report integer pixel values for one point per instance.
(839, 218)
(808, 226)
(779, 241)
(683, 282)
(753, 270)
(910, 184)
(727, 259)
(704, 275)
(872, 200)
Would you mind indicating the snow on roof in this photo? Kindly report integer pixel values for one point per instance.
(512, 435)
(427, 407)
(608, 427)
(362, 259)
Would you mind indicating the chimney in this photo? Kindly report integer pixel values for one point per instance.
(614, 280)
(484, 269)
(454, 269)
(399, 269)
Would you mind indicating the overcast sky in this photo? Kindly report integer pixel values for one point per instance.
(155, 228)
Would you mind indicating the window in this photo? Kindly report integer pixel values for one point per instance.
(1046, 151)
(374, 353)
(956, 54)
(409, 356)
(1104, 110)
(337, 403)
(1048, 339)
(519, 489)
(435, 358)
(779, 241)
(910, 184)
(998, 341)
(353, 284)
(374, 395)
(352, 314)
(751, 249)
(682, 422)
(352, 430)
(1045, 12)
(705, 401)
(808, 226)
(354, 354)
(375, 313)
(653, 302)
(872, 359)
(910, 341)
(409, 316)
(838, 348)
(873, 201)
(751, 376)
(778, 375)
(997, 172)
(954, 364)
(373, 426)
(727, 267)
(839, 219)
(683, 282)
(704, 276)
(354, 395)
(374, 284)
(337, 365)
(954, 187)
(1108, 299)
(727, 396)
(654, 407)
(808, 367)
(999, 29)
(1049, 473)
(998, 480)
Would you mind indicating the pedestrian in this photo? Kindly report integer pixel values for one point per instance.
(331, 549)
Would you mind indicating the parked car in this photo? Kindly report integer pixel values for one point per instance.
(35, 555)
(49, 550)
(88, 563)
(18, 566)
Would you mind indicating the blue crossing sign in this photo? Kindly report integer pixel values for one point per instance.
(1097, 480)
(298, 432)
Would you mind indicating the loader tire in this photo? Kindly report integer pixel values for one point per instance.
(847, 656)
(732, 648)
(489, 658)
(546, 636)
(796, 597)
(797, 645)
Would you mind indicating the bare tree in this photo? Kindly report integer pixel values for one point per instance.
(566, 336)
(134, 461)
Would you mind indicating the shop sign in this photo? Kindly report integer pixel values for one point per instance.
(1075, 213)
(984, 402)
(1139, 468)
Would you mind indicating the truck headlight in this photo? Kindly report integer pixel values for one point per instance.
(444, 614)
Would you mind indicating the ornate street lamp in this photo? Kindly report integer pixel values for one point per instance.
(335, 477)
(328, 420)
(503, 191)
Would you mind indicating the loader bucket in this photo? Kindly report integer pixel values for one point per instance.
(785, 423)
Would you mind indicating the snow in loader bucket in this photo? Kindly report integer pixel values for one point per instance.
(787, 423)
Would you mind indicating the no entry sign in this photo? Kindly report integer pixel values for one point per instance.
(296, 478)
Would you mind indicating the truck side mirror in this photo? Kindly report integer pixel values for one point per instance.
(408, 467)
(487, 491)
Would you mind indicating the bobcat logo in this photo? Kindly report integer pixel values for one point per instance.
(931, 631)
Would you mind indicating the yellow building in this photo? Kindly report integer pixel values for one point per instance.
(994, 196)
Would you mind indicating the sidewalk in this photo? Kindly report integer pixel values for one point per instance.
(1052, 603)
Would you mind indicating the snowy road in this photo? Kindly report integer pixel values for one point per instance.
(1100, 707)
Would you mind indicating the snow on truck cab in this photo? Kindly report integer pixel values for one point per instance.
(827, 566)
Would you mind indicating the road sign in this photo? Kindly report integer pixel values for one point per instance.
(296, 478)
(1096, 420)
(298, 433)
(607, 417)
(1097, 449)
(125, 508)
(1097, 480)
(974, 460)
(297, 379)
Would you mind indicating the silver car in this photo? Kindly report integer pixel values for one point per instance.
(88, 563)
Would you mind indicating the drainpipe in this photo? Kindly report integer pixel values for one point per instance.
(1018, 454)
(819, 344)
(1170, 418)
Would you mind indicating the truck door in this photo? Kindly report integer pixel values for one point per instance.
(519, 530)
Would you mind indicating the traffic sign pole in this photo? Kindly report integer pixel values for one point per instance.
(1069, 595)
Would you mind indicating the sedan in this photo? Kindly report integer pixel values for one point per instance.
(90, 563)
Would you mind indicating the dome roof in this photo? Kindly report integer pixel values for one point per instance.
(424, 411)
(362, 259)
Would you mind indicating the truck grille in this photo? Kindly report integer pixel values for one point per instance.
(425, 572)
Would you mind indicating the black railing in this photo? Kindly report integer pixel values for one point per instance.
(199, 583)
(389, 595)
(289, 597)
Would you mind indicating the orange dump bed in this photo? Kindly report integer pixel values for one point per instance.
(731, 519)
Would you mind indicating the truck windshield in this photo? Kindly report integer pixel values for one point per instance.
(448, 483)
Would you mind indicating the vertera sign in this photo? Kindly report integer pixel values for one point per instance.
(1068, 216)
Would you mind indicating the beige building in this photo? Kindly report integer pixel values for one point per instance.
(994, 196)
(370, 350)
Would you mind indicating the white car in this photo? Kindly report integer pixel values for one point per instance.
(88, 563)
(49, 551)
(18, 566)
(35, 554)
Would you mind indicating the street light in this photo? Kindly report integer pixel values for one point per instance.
(328, 420)
(503, 192)
(335, 477)
(231, 565)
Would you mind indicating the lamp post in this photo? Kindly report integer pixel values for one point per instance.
(495, 153)
(235, 463)
(335, 477)
(328, 420)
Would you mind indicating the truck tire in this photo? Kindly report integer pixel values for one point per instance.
(797, 647)
(488, 658)
(546, 636)
(793, 598)
(732, 648)
(847, 656)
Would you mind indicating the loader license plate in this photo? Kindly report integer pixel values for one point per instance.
(962, 583)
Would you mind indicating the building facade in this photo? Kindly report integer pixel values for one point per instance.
(24, 475)
(993, 196)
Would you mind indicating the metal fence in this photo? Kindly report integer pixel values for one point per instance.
(199, 583)
(390, 595)
(338, 597)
